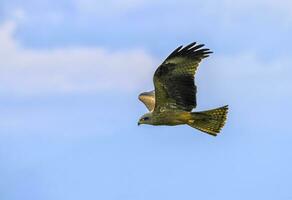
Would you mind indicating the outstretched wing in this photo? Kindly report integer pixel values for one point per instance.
(174, 78)
(148, 98)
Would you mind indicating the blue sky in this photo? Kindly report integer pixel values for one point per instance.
(70, 73)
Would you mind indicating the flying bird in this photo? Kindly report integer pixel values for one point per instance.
(174, 97)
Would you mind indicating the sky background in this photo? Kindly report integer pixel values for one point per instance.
(70, 73)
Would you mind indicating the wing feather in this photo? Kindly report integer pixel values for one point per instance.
(148, 98)
(174, 78)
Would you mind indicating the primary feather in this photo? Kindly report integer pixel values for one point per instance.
(174, 78)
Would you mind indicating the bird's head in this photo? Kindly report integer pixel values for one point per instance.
(145, 119)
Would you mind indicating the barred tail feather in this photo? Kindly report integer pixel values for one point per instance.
(210, 121)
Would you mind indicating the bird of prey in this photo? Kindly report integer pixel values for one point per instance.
(174, 97)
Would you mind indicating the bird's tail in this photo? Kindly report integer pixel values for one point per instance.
(210, 121)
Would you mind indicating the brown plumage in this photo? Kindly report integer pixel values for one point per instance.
(175, 93)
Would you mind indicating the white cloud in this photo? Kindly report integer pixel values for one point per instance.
(80, 69)
(112, 6)
(106, 8)
(30, 71)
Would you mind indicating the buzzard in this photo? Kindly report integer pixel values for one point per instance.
(174, 97)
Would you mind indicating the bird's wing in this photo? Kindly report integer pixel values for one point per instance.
(174, 78)
(148, 98)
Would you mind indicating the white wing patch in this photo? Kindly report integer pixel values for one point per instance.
(148, 98)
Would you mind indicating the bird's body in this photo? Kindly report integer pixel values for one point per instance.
(170, 118)
(174, 97)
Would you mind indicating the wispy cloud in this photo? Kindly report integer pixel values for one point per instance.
(76, 69)
(91, 7)
(150, 24)
(81, 69)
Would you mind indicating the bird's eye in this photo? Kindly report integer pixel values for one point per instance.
(146, 118)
